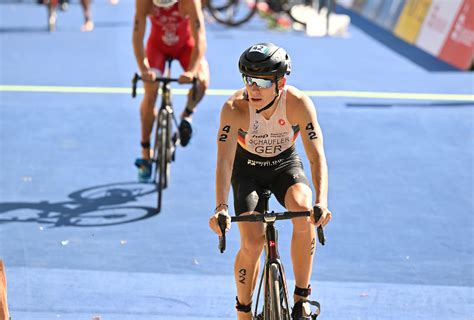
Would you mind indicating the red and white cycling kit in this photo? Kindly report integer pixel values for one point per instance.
(170, 37)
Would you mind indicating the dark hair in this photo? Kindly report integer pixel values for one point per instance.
(265, 59)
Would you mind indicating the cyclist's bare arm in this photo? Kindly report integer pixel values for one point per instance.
(233, 116)
(193, 9)
(303, 113)
(142, 8)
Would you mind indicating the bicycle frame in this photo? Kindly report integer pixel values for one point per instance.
(272, 257)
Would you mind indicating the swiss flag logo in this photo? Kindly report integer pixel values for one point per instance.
(281, 122)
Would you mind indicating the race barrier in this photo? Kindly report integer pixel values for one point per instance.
(444, 29)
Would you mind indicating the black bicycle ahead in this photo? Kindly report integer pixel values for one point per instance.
(166, 137)
(275, 291)
(236, 12)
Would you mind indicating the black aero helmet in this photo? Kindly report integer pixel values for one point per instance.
(265, 59)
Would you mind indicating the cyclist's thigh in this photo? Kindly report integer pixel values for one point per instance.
(183, 54)
(203, 72)
(184, 57)
(155, 54)
(292, 188)
(246, 192)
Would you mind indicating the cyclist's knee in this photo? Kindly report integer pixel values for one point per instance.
(302, 225)
(252, 246)
(150, 90)
(298, 197)
(149, 99)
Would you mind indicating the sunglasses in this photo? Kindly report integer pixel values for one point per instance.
(260, 82)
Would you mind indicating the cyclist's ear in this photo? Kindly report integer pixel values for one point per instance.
(281, 83)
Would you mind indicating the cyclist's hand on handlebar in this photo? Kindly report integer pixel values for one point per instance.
(326, 216)
(214, 221)
(186, 77)
(148, 75)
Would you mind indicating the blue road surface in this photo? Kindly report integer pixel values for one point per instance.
(79, 236)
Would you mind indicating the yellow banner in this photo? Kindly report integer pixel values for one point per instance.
(411, 19)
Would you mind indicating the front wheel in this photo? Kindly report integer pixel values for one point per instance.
(273, 307)
(159, 155)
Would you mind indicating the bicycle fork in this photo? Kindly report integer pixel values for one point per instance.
(272, 258)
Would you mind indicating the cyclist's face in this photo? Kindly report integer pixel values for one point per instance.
(261, 90)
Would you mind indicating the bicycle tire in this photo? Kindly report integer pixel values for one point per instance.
(167, 154)
(274, 300)
(159, 160)
(227, 13)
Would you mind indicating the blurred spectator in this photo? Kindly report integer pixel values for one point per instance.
(88, 23)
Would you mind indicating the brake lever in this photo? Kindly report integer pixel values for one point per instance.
(222, 220)
(194, 88)
(317, 215)
(135, 79)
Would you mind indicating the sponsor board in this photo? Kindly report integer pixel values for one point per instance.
(388, 13)
(437, 24)
(372, 9)
(411, 19)
(459, 46)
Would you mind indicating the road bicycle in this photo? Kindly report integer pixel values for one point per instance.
(275, 291)
(166, 138)
(236, 12)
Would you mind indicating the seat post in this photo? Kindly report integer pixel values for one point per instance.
(168, 71)
(266, 199)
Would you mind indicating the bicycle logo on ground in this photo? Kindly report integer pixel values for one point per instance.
(104, 205)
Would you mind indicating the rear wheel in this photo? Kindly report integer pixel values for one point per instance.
(232, 12)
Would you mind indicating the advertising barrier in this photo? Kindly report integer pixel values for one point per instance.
(443, 28)
(437, 25)
(458, 48)
(411, 19)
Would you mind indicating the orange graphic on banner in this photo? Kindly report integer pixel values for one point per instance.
(411, 19)
(458, 49)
